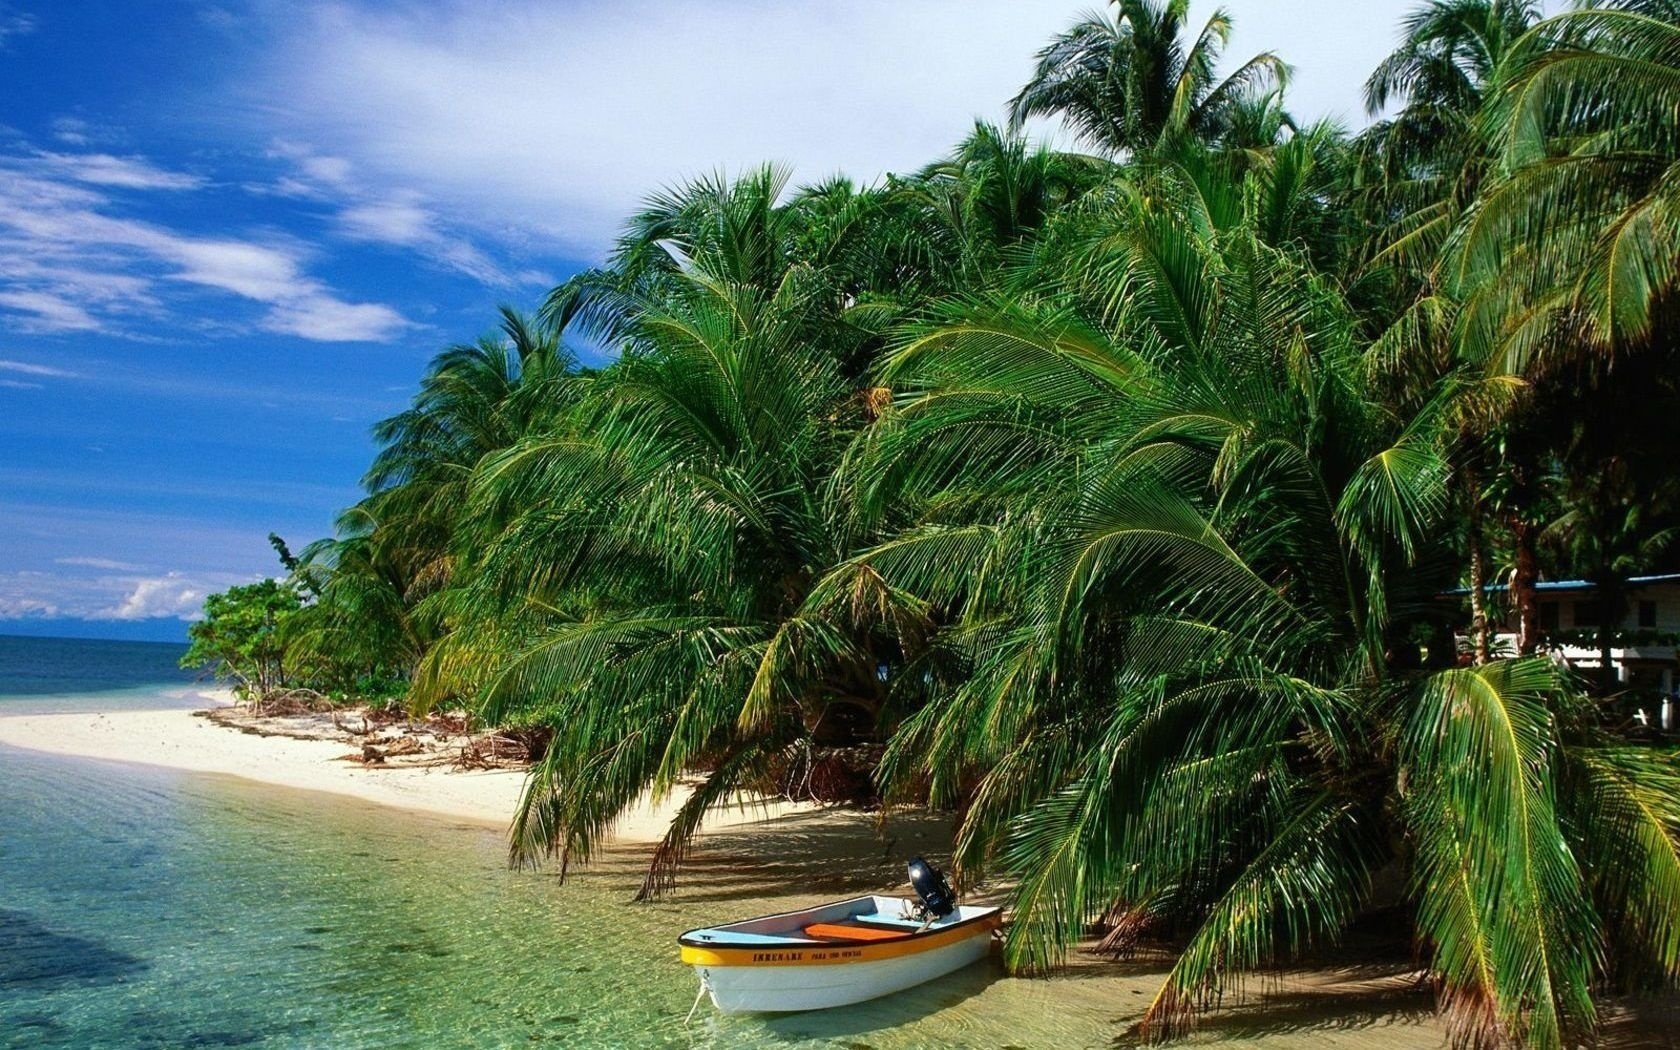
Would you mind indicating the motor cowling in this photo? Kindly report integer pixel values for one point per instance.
(930, 885)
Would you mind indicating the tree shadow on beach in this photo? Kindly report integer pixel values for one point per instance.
(1351, 999)
(833, 853)
(1648, 1024)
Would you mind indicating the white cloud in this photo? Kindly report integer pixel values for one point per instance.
(389, 221)
(98, 563)
(17, 384)
(14, 23)
(108, 594)
(555, 120)
(397, 217)
(72, 131)
(68, 264)
(566, 137)
(28, 369)
(48, 312)
(157, 596)
(328, 320)
(130, 173)
(25, 608)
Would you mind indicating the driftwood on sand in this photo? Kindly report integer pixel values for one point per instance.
(380, 736)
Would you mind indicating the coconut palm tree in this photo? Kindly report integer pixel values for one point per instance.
(1104, 500)
(1168, 566)
(1565, 261)
(402, 542)
(1425, 163)
(655, 540)
(1588, 207)
(1129, 82)
(642, 556)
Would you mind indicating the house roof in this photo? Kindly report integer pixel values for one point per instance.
(1574, 585)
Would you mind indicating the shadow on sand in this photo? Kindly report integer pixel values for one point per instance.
(829, 853)
(1370, 987)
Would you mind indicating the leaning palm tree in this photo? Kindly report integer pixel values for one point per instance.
(641, 556)
(1166, 568)
(401, 543)
(1129, 82)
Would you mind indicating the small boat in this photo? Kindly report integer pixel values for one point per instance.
(840, 953)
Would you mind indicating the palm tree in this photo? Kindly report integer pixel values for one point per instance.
(1167, 562)
(1428, 160)
(1105, 500)
(641, 555)
(1422, 169)
(402, 542)
(1127, 83)
(1566, 261)
(1588, 207)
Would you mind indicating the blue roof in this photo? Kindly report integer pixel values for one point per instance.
(1577, 585)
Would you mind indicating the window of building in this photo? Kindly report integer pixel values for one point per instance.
(1548, 616)
(1585, 614)
(1647, 614)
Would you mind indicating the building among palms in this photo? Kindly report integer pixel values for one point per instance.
(1644, 637)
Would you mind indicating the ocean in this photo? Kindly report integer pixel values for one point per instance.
(77, 674)
(146, 908)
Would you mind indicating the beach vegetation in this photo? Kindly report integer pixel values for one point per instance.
(241, 636)
(1149, 508)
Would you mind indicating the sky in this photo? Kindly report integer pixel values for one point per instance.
(233, 233)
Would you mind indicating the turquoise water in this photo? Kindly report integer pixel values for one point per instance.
(144, 908)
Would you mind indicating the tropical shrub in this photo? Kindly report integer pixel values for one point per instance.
(240, 636)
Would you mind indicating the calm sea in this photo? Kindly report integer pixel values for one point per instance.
(71, 674)
(144, 908)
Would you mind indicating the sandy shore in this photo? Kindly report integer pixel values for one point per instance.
(801, 856)
(186, 741)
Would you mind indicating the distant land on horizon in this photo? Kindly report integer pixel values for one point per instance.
(160, 629)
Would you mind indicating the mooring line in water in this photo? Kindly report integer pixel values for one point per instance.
(698, 996)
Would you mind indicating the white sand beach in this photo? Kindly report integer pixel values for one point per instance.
(802, 849)
(184, 740)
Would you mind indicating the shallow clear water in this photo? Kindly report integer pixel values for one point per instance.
(143, 908)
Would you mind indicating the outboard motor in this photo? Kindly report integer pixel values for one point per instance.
(931, 887)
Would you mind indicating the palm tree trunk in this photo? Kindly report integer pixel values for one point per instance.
(1524, 596)
(1479, 625)
(1609, 618)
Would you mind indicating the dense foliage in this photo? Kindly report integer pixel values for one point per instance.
(1107, 499)
(241, 636)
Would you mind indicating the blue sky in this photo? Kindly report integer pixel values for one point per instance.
(232, 233)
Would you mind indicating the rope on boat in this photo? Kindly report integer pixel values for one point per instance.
(699, 996)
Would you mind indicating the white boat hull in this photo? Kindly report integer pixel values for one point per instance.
(782, 989)
(834, 954)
